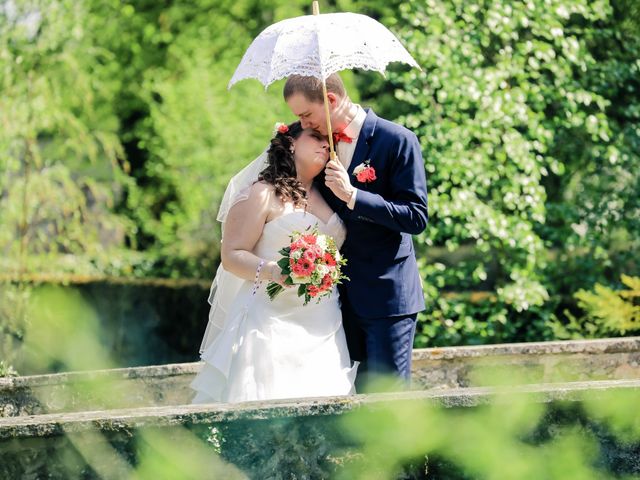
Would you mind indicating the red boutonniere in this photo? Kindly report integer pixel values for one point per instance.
(364, 172)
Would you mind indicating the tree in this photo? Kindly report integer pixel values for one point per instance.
(58, 143)
(527, 114)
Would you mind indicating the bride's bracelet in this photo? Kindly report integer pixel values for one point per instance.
(257, 281)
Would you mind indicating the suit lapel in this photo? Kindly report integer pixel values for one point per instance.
(360, 154)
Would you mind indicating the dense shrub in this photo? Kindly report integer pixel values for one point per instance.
(528, 117)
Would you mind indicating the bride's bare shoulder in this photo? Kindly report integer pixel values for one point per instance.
(262, 188)
(262, 192)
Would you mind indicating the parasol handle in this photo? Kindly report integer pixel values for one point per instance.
(332, 151)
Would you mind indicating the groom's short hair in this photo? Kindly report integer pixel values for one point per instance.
(311, 87)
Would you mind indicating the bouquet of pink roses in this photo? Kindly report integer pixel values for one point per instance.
(312, 262)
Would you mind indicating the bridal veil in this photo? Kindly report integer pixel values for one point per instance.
(225, 285)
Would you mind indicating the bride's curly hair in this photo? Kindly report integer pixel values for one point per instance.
(281, 168)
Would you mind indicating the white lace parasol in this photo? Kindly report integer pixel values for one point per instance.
(319, 45)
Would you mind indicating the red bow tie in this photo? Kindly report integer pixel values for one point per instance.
(341, 137)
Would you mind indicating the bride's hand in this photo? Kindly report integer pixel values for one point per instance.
(275, 274)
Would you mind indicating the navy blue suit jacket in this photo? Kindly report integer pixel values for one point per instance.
(381, 260)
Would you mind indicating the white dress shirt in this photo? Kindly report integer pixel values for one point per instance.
(345, 150)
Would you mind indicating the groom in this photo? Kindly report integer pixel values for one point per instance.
(378, 187)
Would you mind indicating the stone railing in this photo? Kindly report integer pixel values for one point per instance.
(440, 368)
(274, 439)
(129, 419)
(73, 414)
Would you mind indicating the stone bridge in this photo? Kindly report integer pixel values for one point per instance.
(96, 420)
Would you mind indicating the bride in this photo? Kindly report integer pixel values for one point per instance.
(255, 348)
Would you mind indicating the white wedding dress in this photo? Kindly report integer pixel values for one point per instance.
(278, 349)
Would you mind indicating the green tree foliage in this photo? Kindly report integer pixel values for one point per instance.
(118, 130)
(58, 145)
(118, 135)
(527, 113)
(607, 312)
(186, 134)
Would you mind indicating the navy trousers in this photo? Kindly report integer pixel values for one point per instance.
(383, 347)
